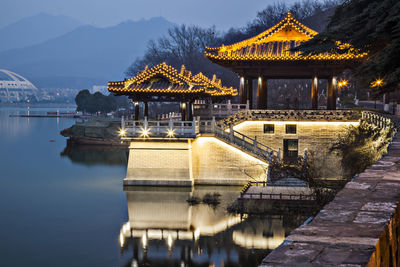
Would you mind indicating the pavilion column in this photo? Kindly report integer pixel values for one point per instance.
(189, 111)
(248, 84)
(136, 111)
(262, 93)
(386, 99)
(146, 109)
(331, 93)
(243, 93)
(183, 110)
(314, 93)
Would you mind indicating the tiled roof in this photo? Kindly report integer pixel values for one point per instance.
(275, 44)
(165, 79)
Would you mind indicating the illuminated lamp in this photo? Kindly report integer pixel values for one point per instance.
(122, 132)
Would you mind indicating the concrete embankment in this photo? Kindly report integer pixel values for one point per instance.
(360, 227)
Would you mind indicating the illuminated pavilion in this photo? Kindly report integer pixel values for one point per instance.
(164, 83)
(269, 56)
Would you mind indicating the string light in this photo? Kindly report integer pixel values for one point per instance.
(182, 82)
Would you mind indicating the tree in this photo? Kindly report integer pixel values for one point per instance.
(371, 26)
(97, 102)
(183, 45)
(81, 100)
(272, 14)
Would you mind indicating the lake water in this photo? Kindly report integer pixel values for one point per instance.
(66, 206)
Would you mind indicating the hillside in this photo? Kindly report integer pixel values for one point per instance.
(34, 30)
(86, 55)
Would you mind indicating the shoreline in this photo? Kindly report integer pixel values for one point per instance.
(37, 105)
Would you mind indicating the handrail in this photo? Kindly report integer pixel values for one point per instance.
(245, 142)
(170, 128)
(380, 120)
(272, 196)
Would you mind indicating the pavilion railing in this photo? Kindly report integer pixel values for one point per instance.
(190, 129)
(293, 115)
(160, 129)
(219, 110)
(381, 120)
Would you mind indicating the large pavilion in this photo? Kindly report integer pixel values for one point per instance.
(164, 83)
(269, 56)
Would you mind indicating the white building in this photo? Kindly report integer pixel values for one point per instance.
(15, 88)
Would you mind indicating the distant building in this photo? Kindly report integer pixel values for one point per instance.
(15, 88)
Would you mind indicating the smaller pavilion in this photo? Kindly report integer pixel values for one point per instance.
(269, 55)
(164, 83)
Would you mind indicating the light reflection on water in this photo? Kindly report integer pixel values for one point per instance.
(68, 202)
(164, 230)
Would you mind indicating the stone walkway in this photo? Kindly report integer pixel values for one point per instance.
(359, 227)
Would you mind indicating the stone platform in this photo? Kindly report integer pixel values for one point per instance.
(360, 227)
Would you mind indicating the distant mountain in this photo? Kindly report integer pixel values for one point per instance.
(35, 30)
(86, 55)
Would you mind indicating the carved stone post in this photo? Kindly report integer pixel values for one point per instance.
(386, 102)
(231, 132)
(213, 125)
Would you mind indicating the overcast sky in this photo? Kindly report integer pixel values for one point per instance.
(222, 13)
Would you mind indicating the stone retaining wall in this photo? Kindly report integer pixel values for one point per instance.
(360, 227)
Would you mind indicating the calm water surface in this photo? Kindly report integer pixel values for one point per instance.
(66, 206)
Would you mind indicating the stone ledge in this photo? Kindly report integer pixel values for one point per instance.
(148, 182)
(358, 228)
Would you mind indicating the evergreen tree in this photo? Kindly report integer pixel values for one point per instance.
(97, 102)
(371, 26)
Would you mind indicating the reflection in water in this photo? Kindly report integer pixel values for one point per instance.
(96, 155)
(164, 230)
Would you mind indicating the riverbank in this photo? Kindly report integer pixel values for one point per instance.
(37, 105)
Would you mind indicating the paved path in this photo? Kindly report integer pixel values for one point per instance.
(359, 227)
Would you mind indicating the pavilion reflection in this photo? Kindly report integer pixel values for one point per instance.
(164, 230)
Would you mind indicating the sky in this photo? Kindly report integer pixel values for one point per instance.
(221, 13)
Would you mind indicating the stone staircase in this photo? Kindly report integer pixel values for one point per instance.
(244, 142)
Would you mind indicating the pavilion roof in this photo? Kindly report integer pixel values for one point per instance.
(164, 79)
(275, 44)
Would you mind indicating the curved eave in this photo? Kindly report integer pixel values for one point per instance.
(170, 92)
(318, 58)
